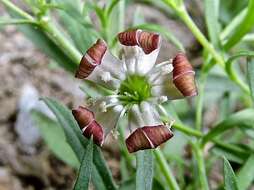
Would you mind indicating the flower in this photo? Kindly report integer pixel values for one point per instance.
(133, 87)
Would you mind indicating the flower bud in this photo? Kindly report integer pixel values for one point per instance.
(148, 137)
(88, 125)
(91, 59)
(183, 75)
(146, 40)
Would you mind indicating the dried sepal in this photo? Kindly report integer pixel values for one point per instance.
(148, 137)
(91, 59)
(146, 40)
(183, 75)
(88, 125)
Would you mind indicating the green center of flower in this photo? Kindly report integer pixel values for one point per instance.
(135, 89)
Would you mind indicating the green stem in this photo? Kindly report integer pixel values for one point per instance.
(165, 169)
(16, 22)
(200, 101)
(123, 148)
(60, 40)
(199, 36)
(50, 29)
(19, 11)
(201, 165)
(187, 130)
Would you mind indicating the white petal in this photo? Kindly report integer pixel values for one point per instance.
(136, 60)
(106, 118)
(109, 73)
(149, 113)
(144, 114)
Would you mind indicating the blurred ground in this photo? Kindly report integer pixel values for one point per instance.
(21, 64)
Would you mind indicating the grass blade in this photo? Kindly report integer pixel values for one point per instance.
(211, 16)
(246, 174)
(230, 182)
(244, 27)
(244, 118)
(145, 166)
(85, 170)
(250, 76)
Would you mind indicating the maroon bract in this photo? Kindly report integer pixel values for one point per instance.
(88, 125)
(146, 40)
(183, 75)
(91, 59)
(148, 137)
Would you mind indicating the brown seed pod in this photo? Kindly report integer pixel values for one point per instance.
(88, 125)
(183, 76)
(148, 137)
(91, 59)
(146, 40)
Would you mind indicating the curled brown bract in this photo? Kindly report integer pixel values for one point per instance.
(146, 40)
(148, 137)
(88, 125)
(91, 59)
(183, 76)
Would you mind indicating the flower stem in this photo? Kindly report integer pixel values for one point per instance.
(199, 36)
(50, 30)
(201, 165)
(17, 10)
(171, 181)
(60, 40)
(187, 130)
(200, 101)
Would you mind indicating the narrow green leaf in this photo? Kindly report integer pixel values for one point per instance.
(168, 35)
(244, 27)
(145, 167)
(233, 24)
(111, 6)
(211, 16)
(246, 173)
(71, 129)
(101, 175)
(230, 182)
(127, 185)
(231, 151)
(243, 118)
(54, 137)
(6, 20)
(85, 170)
(250, 75)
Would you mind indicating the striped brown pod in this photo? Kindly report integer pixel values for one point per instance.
(148, 137)
(146, 40)
(88, 125)
(91, 59)
(149, 41)
(129, 38)
(183, 76)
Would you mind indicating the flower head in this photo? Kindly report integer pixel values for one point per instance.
(135, 87)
